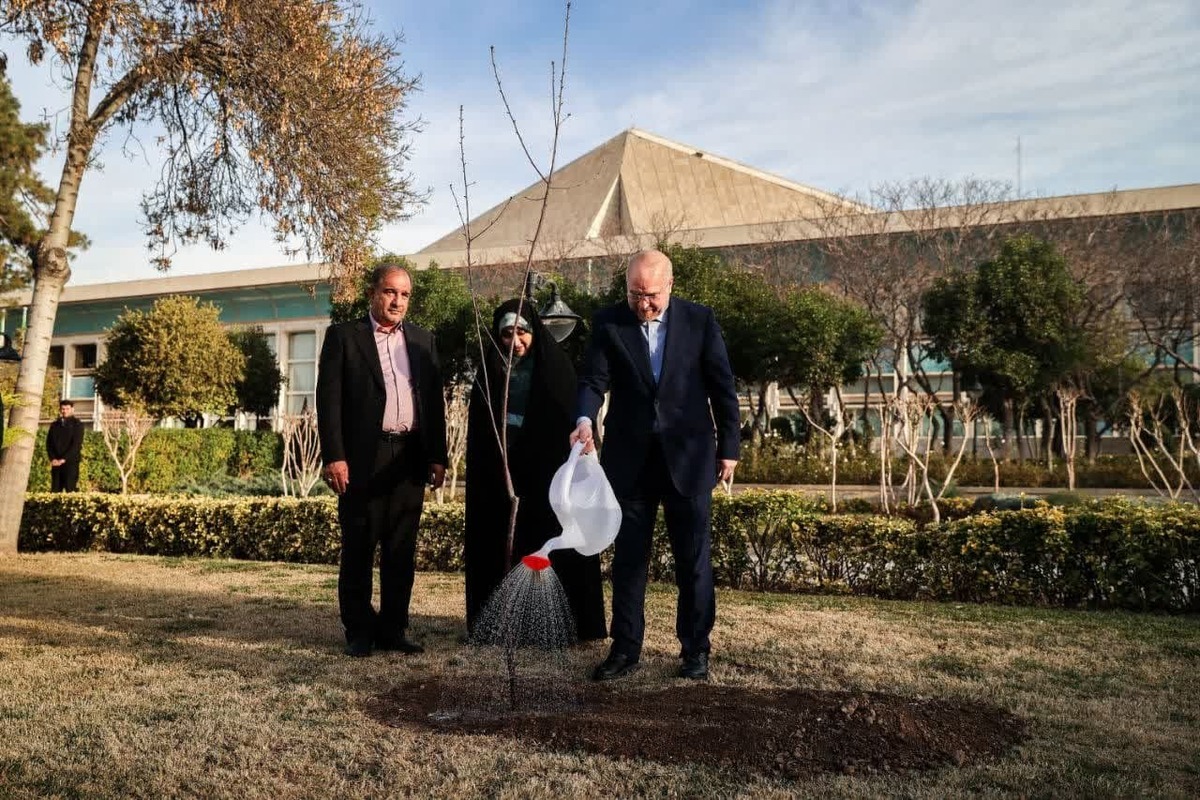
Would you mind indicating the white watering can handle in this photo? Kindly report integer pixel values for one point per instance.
(564, 489)
(564, 494)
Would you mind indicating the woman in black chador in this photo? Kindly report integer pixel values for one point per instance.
(541, 404)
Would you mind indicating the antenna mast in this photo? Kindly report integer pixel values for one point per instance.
(1018, 167)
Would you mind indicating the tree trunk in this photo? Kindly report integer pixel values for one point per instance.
(31, 380)
(1091, 432)
(1009, 429)
(1048, 427)
(947, 412)
(756, 436)
(762, 418)
(1023, 450)
(51, 271)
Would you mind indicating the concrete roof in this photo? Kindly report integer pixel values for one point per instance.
(638, 183)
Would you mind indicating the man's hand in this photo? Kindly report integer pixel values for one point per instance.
(583, 433)
(437, 475)
(57, 462)
(337, 476)
(725, 469)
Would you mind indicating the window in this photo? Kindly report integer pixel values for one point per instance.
(81, 387)
(85, 356)
(301, 372)
(56, 357)
(81, 360)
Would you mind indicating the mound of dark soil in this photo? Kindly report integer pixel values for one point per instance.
(789, 732)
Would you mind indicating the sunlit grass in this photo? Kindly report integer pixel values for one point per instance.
(149, 677)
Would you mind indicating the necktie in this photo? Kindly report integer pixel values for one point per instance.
(651, 330)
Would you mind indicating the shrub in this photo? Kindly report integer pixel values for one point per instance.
(1094, 554)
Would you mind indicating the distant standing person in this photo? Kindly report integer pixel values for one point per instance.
(64, 446)
(672, 430)
(382, 422)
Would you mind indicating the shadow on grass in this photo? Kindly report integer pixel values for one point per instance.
(255, 627)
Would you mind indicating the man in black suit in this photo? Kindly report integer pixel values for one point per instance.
(64, 446)
(382, 422)
(671, 431)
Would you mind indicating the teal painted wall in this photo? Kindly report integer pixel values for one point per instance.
(239, 306)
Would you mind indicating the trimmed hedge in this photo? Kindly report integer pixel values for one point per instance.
(1106, 554)
(259, 529)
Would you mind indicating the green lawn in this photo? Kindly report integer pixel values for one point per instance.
(152, 677)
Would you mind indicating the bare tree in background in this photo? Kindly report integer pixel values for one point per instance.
(458, 398)
(916, 411)
(301, 469)
(123, 431)
(833, 431)
(1164, 433)
(1068, 397)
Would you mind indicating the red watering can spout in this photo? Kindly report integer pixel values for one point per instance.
(535, 562)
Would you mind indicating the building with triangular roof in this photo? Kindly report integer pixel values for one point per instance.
(636, 184)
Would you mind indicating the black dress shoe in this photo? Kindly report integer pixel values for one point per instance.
(617, 665)
(358, 648)
(695, 667)
(400, 644)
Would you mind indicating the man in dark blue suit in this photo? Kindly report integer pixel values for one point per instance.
(672, 430)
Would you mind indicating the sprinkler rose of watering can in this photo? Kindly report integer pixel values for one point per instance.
(586, 508)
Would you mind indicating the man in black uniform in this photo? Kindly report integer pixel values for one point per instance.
(64, 445)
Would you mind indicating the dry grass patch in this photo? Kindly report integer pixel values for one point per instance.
(151, 677)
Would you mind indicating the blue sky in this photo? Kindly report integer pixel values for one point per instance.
(836, 95)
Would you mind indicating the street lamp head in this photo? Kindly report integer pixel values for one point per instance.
(557, 317)
(7, 351)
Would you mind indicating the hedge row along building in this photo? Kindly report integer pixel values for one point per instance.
(1136, 249)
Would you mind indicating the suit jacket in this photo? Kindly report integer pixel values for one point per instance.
(65, 439)
(694, 403)
(351, 396)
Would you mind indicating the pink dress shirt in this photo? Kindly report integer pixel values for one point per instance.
(400, 413)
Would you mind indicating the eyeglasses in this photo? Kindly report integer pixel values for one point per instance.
(650, 296)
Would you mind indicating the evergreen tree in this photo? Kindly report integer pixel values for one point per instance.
(175, 360)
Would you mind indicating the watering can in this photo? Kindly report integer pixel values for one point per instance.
(585, 505)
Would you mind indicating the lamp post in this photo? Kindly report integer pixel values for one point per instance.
(557, 317)
(7, 353)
